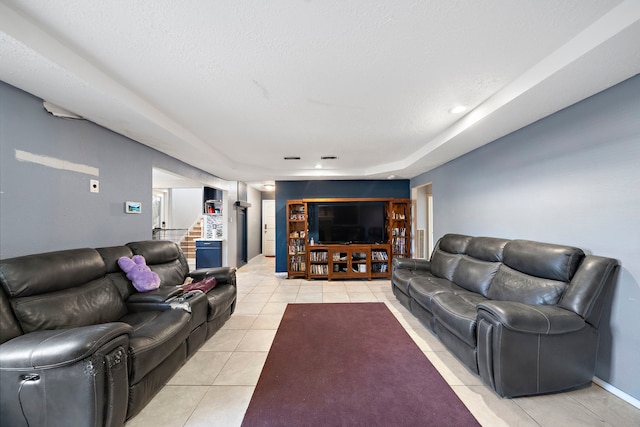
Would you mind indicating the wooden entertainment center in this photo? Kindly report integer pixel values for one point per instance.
(352, 260)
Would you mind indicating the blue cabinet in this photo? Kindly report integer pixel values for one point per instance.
(208, 253)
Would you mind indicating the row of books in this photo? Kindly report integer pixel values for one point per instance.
(399, 231)
(397, 216)
(298, 263)
(379, 256)
(297, 217)
(296, 249)
(319, 256)
(296, 234)
(379, 268)
(319, 269)
(399, 245)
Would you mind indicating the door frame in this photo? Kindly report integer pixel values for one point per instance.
(265, 208)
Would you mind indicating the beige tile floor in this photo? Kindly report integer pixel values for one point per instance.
(214, 387)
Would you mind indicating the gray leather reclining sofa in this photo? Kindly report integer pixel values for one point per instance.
(79, 346)
(523, 315)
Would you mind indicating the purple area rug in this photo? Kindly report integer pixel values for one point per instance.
(350, 365)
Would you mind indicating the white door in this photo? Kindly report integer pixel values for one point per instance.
(269, 227)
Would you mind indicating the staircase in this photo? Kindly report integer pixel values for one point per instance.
(187, 243)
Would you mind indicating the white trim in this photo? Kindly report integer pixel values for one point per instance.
(617, 392)
(282, 275)
(52, 162)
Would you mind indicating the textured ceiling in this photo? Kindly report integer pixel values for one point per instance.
(232, 87)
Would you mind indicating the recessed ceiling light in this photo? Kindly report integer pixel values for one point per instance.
(458, 109)
(269, 187)
(318, 166)
(391, 176)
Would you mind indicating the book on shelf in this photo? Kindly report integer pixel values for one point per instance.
(379, 256)
(397, 231)
(379, 268)
(319, 269)
(398, 216)
(298, 263)
(319, 256)
(399, 245)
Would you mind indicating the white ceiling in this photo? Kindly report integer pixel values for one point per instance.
(233, 86)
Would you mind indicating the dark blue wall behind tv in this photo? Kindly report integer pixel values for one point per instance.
(289, 190)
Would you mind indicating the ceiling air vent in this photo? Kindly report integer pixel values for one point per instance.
(292, 158)
(329, 158)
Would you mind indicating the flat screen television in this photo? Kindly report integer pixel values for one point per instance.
(347, 222)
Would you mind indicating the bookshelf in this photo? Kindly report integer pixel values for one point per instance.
(296, 238)
(399, 223)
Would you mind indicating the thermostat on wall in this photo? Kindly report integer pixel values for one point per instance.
(133, 207)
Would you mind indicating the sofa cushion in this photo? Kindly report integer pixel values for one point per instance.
(96, 302)
(402, 276)
(443, 264)
(110, 256)
(544, 260)
(475, 275)
(156, 334)
(156, 251)
(171, 273)
(486, 248)
(220, 299)
(49, 272)
(511, 285)
(423, 288)
(454, 243)
(9, 326)
(456, 312)
(164, 258)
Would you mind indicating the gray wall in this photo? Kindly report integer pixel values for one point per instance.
(572, 178)
(45, 208)
(186, 207)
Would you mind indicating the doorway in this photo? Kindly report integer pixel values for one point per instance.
(269, 227)
(242, 235)
(423, 220)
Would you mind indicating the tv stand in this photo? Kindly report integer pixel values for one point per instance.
(349, 261)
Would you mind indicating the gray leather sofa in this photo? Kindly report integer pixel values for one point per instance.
(80, 346)
(523, 315)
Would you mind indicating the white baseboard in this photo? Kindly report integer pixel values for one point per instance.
(281, 275)
(619, 393)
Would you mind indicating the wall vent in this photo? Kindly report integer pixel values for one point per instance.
(292, 158)
(420, 243)
(329, 158)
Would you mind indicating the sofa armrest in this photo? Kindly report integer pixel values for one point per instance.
(50, 349)
(411, 264)
(533, 319)
(75, 376)
(533, 349)
(222, 274)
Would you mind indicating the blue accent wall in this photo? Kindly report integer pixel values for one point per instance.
(572, 178)
(290, 190)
